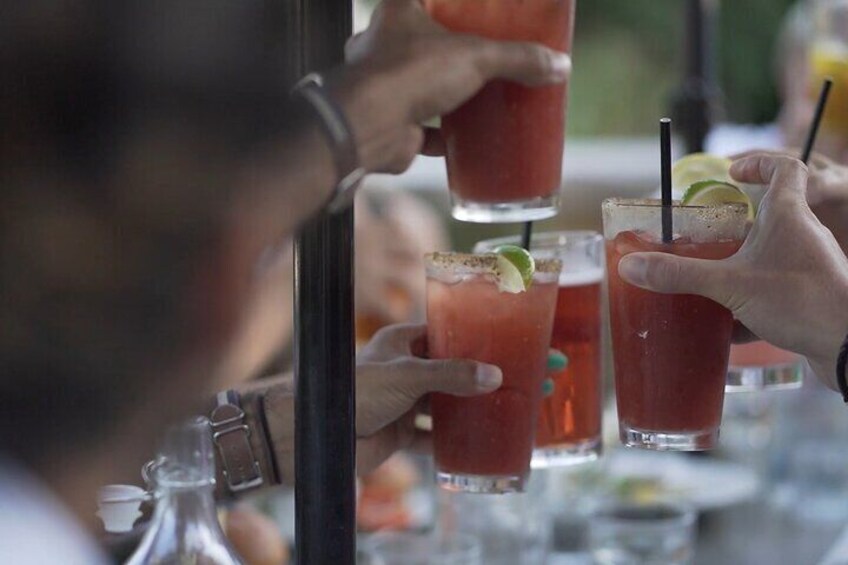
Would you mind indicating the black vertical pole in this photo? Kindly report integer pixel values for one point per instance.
(324, 349)
(695, 101)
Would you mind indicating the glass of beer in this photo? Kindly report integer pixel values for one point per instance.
(568, 430)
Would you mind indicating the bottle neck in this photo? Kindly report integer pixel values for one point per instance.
(193, 504)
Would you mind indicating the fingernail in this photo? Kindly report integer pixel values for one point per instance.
(561, 66)
(633, 270)
(488, 376)
(557, 361)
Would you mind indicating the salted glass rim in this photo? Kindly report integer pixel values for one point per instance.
(482, 263)
(544, 240)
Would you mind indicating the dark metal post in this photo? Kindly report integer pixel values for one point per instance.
(324, 348)
(694, 103)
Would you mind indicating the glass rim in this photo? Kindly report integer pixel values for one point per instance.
(484, 263)
(619, 202)
(685, 512)
(545, 238)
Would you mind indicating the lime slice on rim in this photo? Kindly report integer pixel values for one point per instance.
(715, 192)
(515, 268)
(696, 167)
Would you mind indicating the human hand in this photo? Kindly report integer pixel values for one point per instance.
(827, 180)
(406, 69)
(789, 281)
(392, 377)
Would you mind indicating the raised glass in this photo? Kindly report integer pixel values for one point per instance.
(670, 351)
(484, 443)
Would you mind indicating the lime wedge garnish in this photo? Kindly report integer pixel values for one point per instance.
(696, 167)
(515, 268)
(716, 192)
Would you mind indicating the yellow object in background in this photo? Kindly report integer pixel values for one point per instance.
(831, 60)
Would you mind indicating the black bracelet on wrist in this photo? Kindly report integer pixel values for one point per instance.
(340, 136)
(841, 361)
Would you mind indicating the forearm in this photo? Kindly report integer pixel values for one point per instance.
(286, 181)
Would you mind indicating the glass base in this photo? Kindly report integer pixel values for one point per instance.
(505, 212)
(662, 441)
(566, 454)
(787, 376)
(493, 484)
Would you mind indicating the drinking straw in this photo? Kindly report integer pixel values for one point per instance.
(665, 172)
(814, 126)
(526, 234)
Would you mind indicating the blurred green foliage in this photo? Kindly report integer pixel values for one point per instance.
(628, 62)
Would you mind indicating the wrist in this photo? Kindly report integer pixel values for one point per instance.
(824, 359)
(279, 419)
(378, 128)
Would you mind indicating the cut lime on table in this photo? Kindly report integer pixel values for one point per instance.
(716, 192)
(697, 167)
(515, 268)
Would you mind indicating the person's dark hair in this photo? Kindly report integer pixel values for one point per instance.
(121, 125)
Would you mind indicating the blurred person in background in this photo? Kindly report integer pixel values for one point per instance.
(393, 231)
(150, 154)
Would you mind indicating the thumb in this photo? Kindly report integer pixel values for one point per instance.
(460, 377)
(666, 273)
(531, 64)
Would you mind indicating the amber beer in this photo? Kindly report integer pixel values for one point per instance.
(568, 430)
(569, 425)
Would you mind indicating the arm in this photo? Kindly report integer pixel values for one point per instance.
(391, 378)
(402, 71)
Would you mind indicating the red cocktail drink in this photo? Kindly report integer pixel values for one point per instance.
(762, 366)
(670, 351)
(484, 443)
(569, 427)
(504, 146)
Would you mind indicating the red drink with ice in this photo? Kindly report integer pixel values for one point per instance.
(504, 146)
(484, 443)
(670, 351)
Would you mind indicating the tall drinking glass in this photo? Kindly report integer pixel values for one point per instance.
(569, 426)
(760, 365)
(504, 146)
(829, 58)
(670, 351)
(484, 443)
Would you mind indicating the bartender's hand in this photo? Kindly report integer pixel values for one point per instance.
(788, 283)
(392, 377)
(406, 69)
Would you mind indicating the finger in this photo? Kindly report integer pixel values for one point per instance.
(372, 450)
(742, 334)
(434, 143)
(460, 377)
(662, 272)
(395, 341)
(528, 63)
(557, 361)
(772, 152)
(785, 176)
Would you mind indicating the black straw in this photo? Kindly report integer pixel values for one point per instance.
(526, 235)
(814, 127)
(665, 172)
